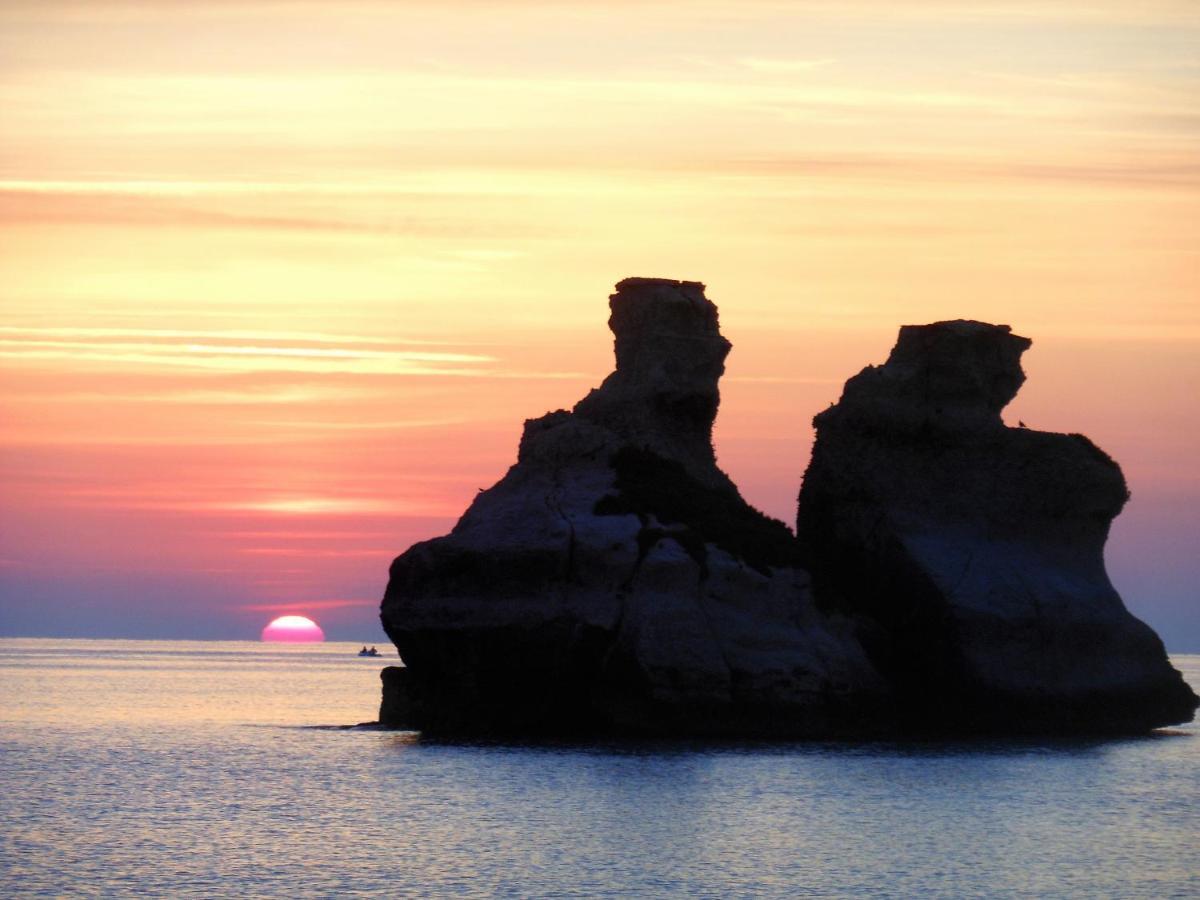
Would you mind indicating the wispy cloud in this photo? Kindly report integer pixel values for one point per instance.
(384, 10)
(281, 506)
(319, 552)
(780, 379)
(291, 534)
(255, 352)
(224, 206)
(191, 334)
(231, 355)
(784, 66)
(980, 170)
(398, 425)
(310, 605)
(297, 395)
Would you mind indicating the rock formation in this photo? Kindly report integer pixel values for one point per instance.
(614, 580)
(974, 552)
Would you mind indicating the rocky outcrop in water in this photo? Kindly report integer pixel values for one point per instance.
(973, 551)
(614, 581)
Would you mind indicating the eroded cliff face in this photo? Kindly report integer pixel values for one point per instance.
(973, 552)
(615, 581)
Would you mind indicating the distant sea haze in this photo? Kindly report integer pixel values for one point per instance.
(167, 768)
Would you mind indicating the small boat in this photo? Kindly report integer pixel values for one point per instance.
(372, 652)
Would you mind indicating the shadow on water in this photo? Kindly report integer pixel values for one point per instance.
(912, 748)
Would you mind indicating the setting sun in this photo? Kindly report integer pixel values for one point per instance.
(293, 630)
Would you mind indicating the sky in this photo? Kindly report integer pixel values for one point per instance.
(280, 281)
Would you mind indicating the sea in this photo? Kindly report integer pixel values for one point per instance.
(210, 769)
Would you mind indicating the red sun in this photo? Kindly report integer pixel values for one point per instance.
(293, 630)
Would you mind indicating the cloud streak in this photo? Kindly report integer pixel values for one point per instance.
(182, 350)
(309, 605)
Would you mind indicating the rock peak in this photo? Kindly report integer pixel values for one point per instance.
(634, 281)
(667, 330)
(670, 356)
(954, 375)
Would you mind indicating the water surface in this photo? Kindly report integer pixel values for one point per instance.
(193, 768)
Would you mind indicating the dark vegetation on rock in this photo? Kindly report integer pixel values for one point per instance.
(947, 574)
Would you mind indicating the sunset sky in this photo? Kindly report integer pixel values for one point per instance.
(281, 280)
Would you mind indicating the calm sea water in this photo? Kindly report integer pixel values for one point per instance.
(192, 768)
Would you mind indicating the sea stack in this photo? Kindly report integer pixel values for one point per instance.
(947, 577)
(614, 581)
(974, 552)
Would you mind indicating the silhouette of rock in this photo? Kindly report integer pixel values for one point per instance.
(974, 552)
(615, 581)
